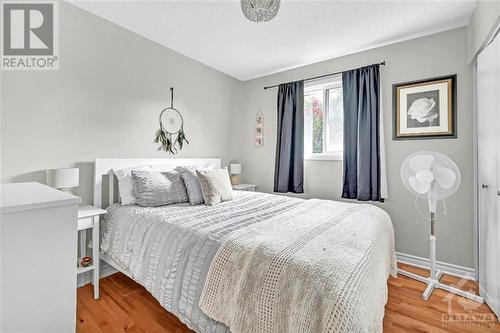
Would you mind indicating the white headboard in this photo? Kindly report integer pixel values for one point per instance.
(105, 186)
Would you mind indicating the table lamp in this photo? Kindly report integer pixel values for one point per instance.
(235, 170)
(63, 179)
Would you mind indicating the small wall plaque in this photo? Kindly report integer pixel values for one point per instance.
(259, 129)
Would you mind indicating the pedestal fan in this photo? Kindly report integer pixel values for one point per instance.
(432, 176)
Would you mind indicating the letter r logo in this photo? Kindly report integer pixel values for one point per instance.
(28, 29)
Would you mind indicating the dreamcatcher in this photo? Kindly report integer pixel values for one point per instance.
(171, 135)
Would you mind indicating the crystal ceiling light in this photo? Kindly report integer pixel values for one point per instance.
(260, 10)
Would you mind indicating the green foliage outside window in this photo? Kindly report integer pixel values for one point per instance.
(317, 111)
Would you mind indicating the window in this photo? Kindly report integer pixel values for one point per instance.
(323, 119)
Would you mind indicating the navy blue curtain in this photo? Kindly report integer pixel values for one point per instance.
(361, 134)
(289, 165)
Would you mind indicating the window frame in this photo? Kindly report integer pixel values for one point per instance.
(325, 85)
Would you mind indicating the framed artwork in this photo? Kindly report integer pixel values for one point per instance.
(425, 109)
(259, 129)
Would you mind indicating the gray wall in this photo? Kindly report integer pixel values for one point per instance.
(105, 101)
(426, 57)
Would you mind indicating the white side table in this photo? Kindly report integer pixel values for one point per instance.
(245, 187)
(88, 218)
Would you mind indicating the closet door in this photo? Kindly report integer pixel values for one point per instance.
(488, 91)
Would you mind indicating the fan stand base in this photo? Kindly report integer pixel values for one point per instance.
(435, 283)
(435, 275)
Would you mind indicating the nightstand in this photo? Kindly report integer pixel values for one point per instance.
(88, 218)
(245, 187)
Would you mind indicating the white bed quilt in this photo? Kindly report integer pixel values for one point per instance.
(321, 267)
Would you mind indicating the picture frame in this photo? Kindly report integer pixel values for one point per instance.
(425, 109)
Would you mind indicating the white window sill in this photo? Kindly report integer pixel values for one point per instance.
(325, 157)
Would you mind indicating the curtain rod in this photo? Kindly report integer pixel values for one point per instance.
(322, 76)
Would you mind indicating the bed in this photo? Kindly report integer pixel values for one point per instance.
(258, 263)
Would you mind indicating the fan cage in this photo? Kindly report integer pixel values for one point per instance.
(436, 192)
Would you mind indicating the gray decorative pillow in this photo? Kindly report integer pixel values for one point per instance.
(126, 183)
(215, 186)
(193, 187)
(154, 188)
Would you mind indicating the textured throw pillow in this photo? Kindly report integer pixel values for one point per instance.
(215, 186)
(126, 184)
(154, 188)
(193, 187)
(188, 174)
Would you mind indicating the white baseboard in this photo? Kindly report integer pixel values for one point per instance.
(452, 269)
(492, 303)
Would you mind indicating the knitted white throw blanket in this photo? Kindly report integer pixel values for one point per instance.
(321, 267)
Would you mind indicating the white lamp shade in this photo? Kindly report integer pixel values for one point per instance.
(235, 169)
(63, 178)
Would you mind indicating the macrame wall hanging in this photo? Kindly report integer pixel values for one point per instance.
(171, 135)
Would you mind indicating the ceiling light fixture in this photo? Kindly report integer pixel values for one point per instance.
(260, 10)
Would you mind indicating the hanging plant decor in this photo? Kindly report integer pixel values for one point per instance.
(171, 135)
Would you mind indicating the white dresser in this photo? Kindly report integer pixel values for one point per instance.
(38, 250)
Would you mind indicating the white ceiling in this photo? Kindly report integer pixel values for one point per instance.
(304, 32)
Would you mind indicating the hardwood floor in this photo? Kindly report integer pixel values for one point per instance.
(125, 306)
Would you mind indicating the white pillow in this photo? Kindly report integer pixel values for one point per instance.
(126, 184)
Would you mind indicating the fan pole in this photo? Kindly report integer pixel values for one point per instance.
(432, 245)
(435, 275)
